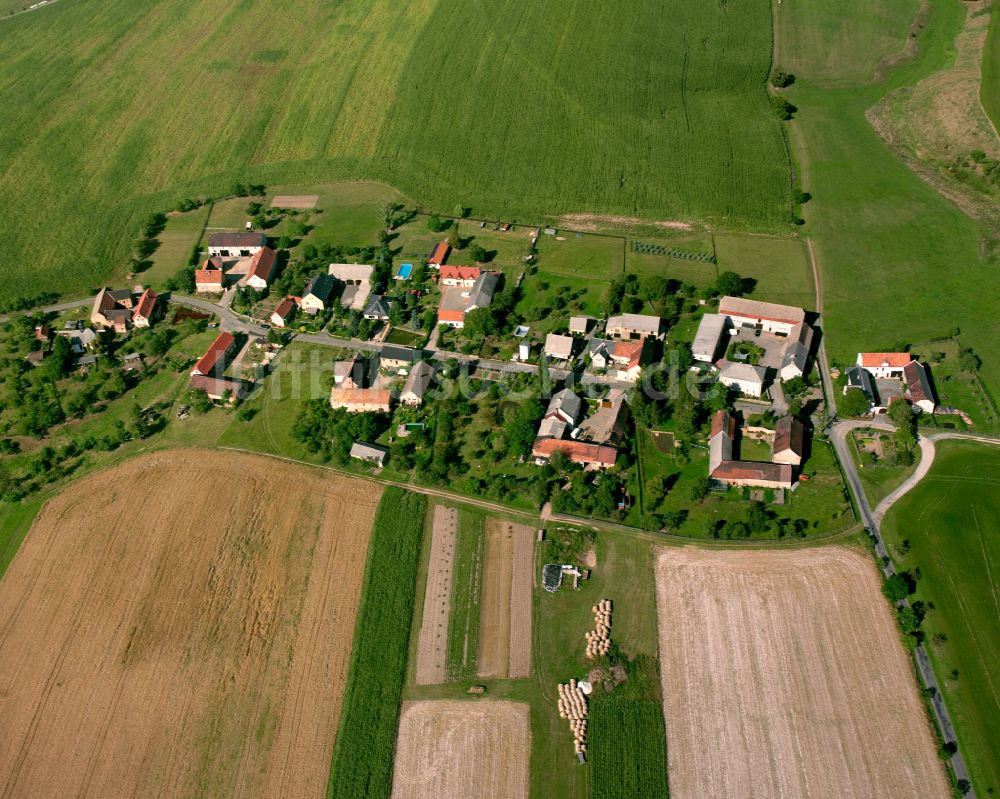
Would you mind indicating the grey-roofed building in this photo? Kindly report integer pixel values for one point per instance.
(796, 353)
(396, 357)
(317, 294)
(860, 379)
(581, 325)
(745, 377)
(482, 291)
(599, 351)
(416, 385)
(238, 244)
(552, 427)
(635, 326)
(606, 425)
(566, 406)
(372, 453)
(377, 308)
(710, 333)
(559, 347)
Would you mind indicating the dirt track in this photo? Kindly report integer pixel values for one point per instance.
(462, 750)
(180, 625)
(432, 644)
(784, 676)
(505, 612)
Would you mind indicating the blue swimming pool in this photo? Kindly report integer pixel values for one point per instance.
(405, 270)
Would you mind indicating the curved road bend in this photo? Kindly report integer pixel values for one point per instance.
(873, 519)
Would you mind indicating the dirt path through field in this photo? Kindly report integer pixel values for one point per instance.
(493, 659)
(462, 750)
(432, 645)
(520, 601)
(180, 625)
(784, 677)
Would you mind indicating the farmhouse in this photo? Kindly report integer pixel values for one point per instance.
(635, 326)
(118, 309)
(564, 406)
(360, 400)
(918, 387)
(459, 275)
(416, 385)
(795, 355)
(860, 379)
(723, 469)
(241, 244)
(377, 308)
(607, 424)
(211, 277)
(581, 325)
(372, 453)
(744, 377)
(356, 280)
(318, 293)
(599, 351)
(770, 317)
(558, 347)
(789, 441)
(630, 356)
(283, 314)
(261, 269)
(884, 365)
(214, 360)
(590, 456)
(348, 374)
(457, 301)
(219, 388)
(395, 357)
(439, 254)
(710, 333)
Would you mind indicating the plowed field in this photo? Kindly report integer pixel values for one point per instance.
(462, 750)
(180, 625)
(784, 676)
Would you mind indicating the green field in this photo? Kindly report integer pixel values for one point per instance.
(628, 750)
(463, 624)
(366, 736)
(989, 90)
(899, 263)
(951, 522)
(119, 108)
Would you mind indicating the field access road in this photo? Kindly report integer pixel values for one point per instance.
(872, 520)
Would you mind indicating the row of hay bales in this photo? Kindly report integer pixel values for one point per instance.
(599, 639)
(573, 706)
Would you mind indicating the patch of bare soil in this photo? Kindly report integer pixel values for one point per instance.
(432, 644)
(784, 676)
(462, 750)
(181, 625)
(595, 222)
(505, 610)
(941, 119)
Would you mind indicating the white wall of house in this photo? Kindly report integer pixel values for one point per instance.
(747, 387)
(234, 252)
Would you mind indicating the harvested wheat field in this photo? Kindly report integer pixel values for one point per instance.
(462, 750)
(505, 611)
(180, 625)
(432, 644)
(784, 676)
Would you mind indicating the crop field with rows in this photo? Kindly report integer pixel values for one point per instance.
(628, 749)
(119, 108)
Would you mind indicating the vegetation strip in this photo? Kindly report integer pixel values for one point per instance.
(366, 738)
(628, 749)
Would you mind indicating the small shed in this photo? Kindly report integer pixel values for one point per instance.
(373, 453)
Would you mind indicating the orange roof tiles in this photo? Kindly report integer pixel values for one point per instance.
(895, 360)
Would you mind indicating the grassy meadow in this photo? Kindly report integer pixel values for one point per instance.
(118, 108)
(950, 524)
(898, 262)
(990, 86)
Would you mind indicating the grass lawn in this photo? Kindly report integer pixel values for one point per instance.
(989, 90)
(780, 267)
(879, 478)
(885, 239)
(177, 239)
(15, 521)
(952, 524)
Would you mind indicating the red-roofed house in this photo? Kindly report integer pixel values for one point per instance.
(630, 357)
(459, 275)
(261, 268)
(918, 387)
(145, 309)
(884, 365)
(210, 276)
(214, 359)
(439, 254)
(788, 445)
(284, 312)
(590, 456)
(219, 388)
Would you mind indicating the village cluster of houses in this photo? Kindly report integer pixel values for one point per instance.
(365, 385)
(209, 373)
(787, 452)
(586, 436)
(780, 331)
(887, 376)
(463, 288)
(236, 259)
(628, 343)
(123, 309)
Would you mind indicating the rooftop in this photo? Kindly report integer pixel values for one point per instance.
(754, 309)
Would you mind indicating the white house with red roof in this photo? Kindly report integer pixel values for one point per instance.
(145, 309)
(459, 275)
(262, 265)
(884, 365)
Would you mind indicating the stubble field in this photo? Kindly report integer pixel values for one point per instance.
(181, 625)
(784, 678)
(462, 750)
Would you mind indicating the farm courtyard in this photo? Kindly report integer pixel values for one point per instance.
(181, 625)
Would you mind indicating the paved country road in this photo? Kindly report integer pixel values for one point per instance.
(873, 519)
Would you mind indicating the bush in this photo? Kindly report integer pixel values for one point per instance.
(784, 109)
(781, 79)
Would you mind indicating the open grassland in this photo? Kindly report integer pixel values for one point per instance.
(119, 108)
(462, 750)
(627, 750)
(885, 239)
(790, 663)
(990, 88)
(951, 525)
(838, 44)
(366, 738)
(157, 641)
(463, 628)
